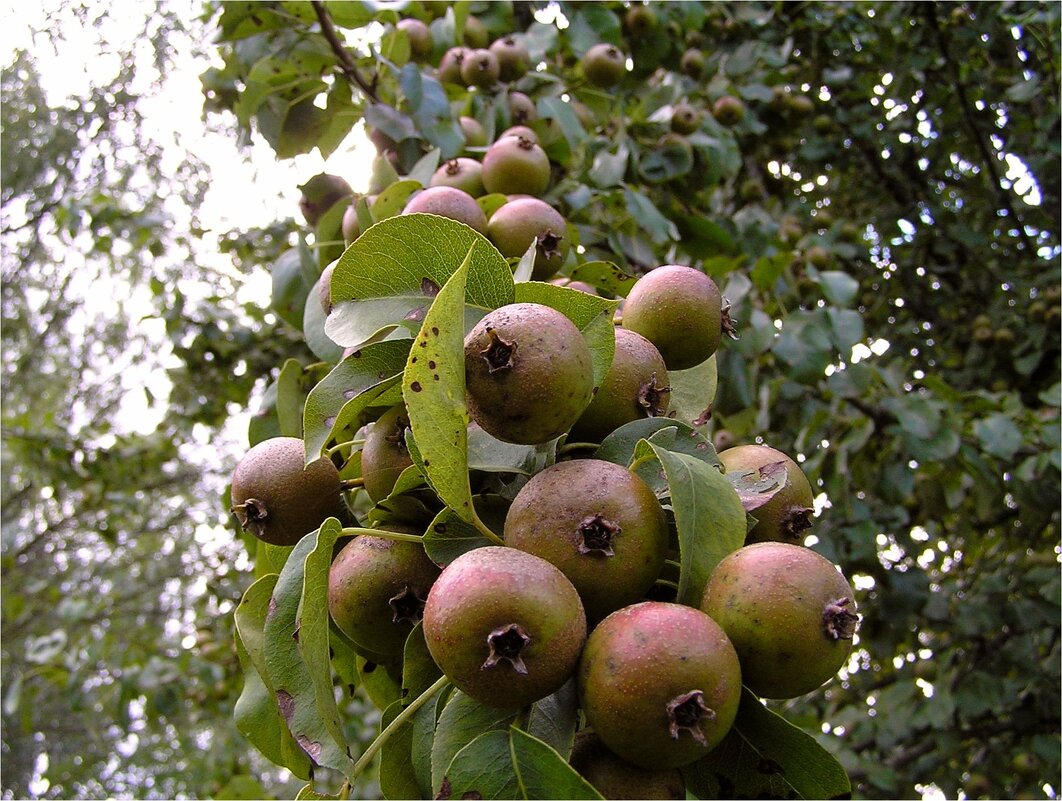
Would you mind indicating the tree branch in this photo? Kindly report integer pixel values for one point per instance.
(975, 132)
(345, 61)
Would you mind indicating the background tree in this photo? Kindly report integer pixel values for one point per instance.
(118, 669)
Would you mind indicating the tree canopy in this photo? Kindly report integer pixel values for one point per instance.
(883, 221)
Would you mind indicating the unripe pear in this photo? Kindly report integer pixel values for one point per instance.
(787, 515)
(515, 165)
(680, 311)
(446, 201)
(504, 626)
(278, 498)
(384, 455)
(523, 221)
(528, 373)
(659, 683)
(599, 523)
(635, 386)
(789, 612)
(377, 588)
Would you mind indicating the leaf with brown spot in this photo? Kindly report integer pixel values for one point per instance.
(284, 659)
(259, 709)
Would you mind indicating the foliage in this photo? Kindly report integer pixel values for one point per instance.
(119, 673)
(890, 196)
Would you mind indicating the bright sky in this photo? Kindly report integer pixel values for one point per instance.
(248, 189)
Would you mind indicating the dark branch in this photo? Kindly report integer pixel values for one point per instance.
(345, 61)
(975, 132)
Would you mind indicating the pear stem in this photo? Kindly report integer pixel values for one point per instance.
(379, 532)
(396, 724)
(482, 528)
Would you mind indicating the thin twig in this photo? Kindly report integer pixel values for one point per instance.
(328, 29)
(971, 123)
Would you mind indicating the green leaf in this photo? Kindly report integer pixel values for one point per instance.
(543, 773)
(767, 269)
(423, 739)
(482, 769)
(462, 721)
(553, 719)
(846, 326)
(368, 377)
(393, 199)
(313, 622)
(619, 446)
(397, 777)
(693, 392)
(998, 435)
(494, 456)
(425, 167)
(433, 386)
(649, 218)
(394, 270)
(313, 328)
(606, 276)
(419, 670)
(765, 756)
(328, 234)
(838, 288)
(256, 712)
(291, 676)
(289, 398)
(609, 167)
(708, 515)
(593, 24)
(1023, 91)
(448, 536)
(381, 681)
(556, 109)
(665, 163)
(592, 315)
(289, 288)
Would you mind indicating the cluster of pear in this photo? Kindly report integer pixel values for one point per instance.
(579, 589)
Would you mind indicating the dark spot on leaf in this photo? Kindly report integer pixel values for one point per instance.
(313, 749)
(286, 704)
(440, 528)
(413, 360)
(356, 354)
(369, 667)
(472, 794)
(445, 789)
(435, 330)
(272, 608)
(426, 463)
(416, 315)
(436, 376)
(429, 287)
(703, 417)
(415, 386)
(405, 692)
(431, 364)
